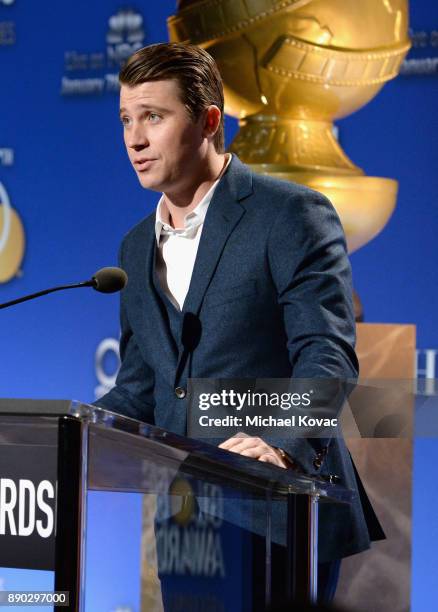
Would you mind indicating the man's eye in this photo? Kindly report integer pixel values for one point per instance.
(154, 117)
(125, 120)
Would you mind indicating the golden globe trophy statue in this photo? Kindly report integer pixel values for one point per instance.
(292, 67)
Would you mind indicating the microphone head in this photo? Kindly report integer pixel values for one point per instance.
(109, 280)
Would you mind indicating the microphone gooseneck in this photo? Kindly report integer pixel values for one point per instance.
(105, 280)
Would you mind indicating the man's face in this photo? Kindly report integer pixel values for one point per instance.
(162, 141)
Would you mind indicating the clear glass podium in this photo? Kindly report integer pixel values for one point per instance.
(201, 508)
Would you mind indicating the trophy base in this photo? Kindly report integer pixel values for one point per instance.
(363, 203)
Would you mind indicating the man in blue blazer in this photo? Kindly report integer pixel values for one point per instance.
(235, 276)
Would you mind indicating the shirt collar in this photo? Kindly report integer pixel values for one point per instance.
(192, 220)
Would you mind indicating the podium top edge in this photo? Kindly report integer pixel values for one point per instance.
(26, 406)
(192, 453)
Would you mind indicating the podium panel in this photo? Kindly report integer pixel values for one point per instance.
(201, 523)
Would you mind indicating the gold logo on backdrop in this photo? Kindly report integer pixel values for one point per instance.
(11, 238)
(182, 501)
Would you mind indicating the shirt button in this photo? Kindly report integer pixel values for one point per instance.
(180, 392)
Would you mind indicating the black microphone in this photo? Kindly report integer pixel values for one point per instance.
(105, 280)
(109, 280)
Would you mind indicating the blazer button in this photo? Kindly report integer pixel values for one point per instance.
(180, 392)
(317, 463)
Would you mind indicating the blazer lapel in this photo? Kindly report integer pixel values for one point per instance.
(153, 314)
(224, 212)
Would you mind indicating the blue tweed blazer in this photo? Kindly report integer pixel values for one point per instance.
(270, 297)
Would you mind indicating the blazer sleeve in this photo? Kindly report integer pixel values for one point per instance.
(312, 275)
(133, 394)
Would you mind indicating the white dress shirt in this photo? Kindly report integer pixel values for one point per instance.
(177, 248)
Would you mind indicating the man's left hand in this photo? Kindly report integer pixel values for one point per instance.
(254, 447)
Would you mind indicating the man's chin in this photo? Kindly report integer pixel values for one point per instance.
(148, 182)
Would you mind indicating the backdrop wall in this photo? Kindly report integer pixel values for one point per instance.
(64, 173)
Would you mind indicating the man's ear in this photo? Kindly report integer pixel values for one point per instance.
(211, 121)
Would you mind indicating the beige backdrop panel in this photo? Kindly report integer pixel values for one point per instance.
(379, 579)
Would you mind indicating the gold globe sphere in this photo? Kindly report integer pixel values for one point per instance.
(292, 67)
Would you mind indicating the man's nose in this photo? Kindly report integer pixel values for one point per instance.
(136, 137)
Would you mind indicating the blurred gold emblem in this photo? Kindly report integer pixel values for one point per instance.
(291, 68)
(11, 239)
(182, 501)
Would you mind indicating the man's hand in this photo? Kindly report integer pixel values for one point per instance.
(254, 447)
